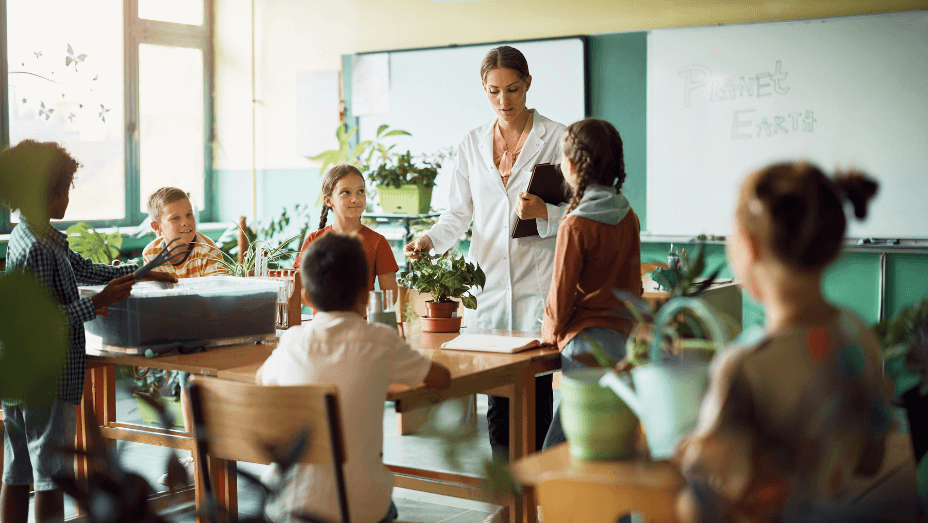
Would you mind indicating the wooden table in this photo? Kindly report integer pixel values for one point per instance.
(510, 375)
(588, 491)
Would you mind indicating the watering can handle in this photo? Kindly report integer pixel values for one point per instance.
(671, 308)
(622, 390)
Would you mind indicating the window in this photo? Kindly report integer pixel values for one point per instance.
(124, 85)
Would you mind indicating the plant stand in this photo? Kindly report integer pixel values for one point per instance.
(407, 199)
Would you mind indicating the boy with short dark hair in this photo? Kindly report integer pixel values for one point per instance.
(361, 359)
(34, 433)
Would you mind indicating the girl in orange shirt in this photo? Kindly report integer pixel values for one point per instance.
(344, 194)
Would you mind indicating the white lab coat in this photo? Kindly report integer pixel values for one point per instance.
(518, 270)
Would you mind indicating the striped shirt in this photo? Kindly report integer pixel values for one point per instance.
(203, 261)
(60, 269)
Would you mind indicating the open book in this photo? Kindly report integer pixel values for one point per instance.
(491, 343)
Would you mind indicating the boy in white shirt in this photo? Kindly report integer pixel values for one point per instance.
(339, 347)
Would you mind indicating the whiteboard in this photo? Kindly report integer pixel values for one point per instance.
(723, 101)
(436, 95)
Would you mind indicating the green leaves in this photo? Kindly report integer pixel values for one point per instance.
(96, 246)
(445, 277)
(361, 155)
(34, 339)
(400, 170)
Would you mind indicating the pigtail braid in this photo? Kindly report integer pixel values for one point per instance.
(324, 217)
(857, 188)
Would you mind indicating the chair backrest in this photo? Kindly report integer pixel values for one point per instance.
(242, 419)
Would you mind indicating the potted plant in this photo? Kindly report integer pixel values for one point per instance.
(362, 154)
(404, 187)
(96, 246)
(156, 385)
(904, 341)
(444, 277)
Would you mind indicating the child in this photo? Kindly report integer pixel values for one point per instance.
(172, 217)
(361, 359)
(795, 411)
(35, 433)
(343, 193)
(598, 250)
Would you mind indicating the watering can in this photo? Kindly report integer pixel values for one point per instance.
(666, 396)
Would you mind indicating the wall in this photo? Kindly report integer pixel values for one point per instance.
(311, 35)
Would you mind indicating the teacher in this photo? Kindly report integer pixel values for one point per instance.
(493, 166)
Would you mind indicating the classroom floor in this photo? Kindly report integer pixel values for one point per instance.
(417, 449)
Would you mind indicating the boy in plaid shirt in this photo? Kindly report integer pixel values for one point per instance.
(34, 431)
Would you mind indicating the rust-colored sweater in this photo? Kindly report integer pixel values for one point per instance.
(591, 259)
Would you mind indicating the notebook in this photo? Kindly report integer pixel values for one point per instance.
(547, 183)
(491, 343)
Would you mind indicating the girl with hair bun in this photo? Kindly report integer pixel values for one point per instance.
(598, 250)
(797, 414)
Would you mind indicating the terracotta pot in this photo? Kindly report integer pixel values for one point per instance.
(444, 309)
(440, 324)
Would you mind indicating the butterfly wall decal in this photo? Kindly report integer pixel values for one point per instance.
(45, 111)
(103, 111)
(71, 58)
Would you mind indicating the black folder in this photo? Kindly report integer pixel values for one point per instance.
(547, 183)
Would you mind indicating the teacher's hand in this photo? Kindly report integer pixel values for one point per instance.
(416, 248)
(531, 206)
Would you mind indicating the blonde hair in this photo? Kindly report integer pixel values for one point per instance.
(798, 212)
(162, 197)
(329, 181)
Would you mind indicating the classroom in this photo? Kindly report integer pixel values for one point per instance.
(246, 105)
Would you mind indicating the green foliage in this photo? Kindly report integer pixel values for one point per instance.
(685, 281)
(444, 277)
(97, 247)
(400, 170)
(361, 155)
(34, 339)
(230, 262)
(904, 342)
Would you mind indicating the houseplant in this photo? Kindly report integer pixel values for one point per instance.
(403, 186)
(362, 154)
(96, 246)
(444, 277)
(904, 342)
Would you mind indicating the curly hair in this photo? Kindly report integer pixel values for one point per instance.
(329, 181)
(799, 212)
(42, 162)
(594, 148)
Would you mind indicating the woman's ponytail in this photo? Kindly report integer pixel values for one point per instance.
(858, 189)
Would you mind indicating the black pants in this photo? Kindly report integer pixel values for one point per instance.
(498, 417)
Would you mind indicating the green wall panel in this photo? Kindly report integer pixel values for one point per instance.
(906, 281)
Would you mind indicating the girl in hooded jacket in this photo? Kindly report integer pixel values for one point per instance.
(598, 251)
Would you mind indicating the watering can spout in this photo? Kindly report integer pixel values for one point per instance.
(611, 379)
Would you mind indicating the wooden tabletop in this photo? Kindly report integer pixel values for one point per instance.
(557, 463)
(208, 362)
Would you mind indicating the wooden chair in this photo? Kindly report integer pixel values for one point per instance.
(237, 421)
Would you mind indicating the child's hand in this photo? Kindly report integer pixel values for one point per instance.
(165, 277)
(415, 248)
(116, 290)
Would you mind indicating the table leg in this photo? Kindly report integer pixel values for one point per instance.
(526, 392)
(517, 427)
(224, 474)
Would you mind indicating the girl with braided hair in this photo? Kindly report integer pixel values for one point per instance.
(344, 195)
(598, 250)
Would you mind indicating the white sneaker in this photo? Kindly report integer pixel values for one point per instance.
(500, 516)
(188, 465)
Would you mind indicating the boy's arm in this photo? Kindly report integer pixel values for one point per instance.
(43, 264)
(439, 377)
(88, 272)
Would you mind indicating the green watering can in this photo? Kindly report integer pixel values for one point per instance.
(666, 396)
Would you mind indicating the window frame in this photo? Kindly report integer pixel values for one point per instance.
(136, 31)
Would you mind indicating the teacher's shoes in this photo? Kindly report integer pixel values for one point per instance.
(189, 468)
